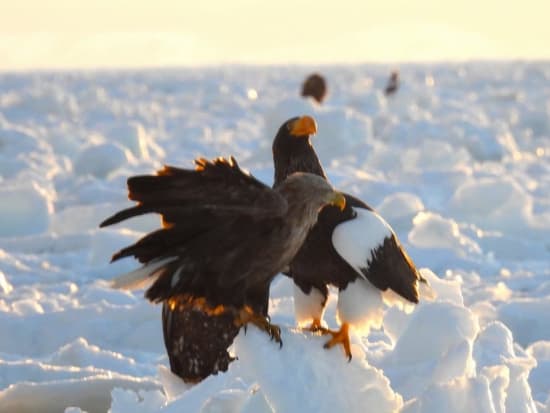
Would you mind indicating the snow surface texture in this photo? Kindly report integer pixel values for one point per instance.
(457, 161)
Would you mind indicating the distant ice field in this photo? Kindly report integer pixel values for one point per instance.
(457, 161)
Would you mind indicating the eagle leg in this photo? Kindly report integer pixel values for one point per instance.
(340, 337)
(317, 327)
(246, 315)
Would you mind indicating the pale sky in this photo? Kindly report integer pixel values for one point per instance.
(45, 34)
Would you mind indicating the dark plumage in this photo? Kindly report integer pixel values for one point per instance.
(225, 235)
(345, 246)
(315, 86)
(393, 84)
(196, 342)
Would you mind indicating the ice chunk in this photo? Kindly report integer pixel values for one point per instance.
(101, 159)
(25, 209)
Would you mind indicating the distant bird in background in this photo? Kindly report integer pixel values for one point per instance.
(224, 237)
(315, 86)
(353, 249)
(393, 83)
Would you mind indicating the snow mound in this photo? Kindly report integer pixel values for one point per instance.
(434, 155)
(134, 137)
(457, 161)
(142, 401)
(457, 396)
(80, 353)
(5, 286)
(302, 360)
(496, 355)
(493, 203)
(27, 212)
(431, 230)
(91, 394)
(101, 159)
(538, 378)
(521, 315)
(399, 210)
(300, 375)
(416, 362)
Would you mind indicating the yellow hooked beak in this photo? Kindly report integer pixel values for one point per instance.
(303, 126)
(338, 199)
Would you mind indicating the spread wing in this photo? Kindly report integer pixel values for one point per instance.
(204, 212)
(218, 187)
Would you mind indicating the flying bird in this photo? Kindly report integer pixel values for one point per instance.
(224, 237)
(353, 249)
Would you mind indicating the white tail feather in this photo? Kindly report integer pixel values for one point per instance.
(140, 277)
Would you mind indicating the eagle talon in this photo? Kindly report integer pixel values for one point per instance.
(340, 337)
(316, 327)
(247, 315)
(275, 332)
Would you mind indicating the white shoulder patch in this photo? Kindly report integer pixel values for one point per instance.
(140, 277)
(356, 239)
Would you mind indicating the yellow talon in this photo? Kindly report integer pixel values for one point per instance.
(317, 327)
(340, 337)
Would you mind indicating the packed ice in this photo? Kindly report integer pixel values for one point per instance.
(457, 161)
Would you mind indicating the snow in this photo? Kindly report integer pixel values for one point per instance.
(101, 159)
(400, 208)
(26, 208)
(457, 162)
(431, 230)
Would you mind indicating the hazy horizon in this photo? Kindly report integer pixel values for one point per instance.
(64, 34)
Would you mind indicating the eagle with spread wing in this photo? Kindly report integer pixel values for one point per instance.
(353, 249)
(224, 237)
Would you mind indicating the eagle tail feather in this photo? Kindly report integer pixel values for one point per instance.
(140, 277)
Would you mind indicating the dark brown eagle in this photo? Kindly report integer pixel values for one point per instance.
(393, 84)
(353, 249)
(224, 237)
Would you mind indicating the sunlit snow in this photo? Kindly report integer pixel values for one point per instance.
(457, 161)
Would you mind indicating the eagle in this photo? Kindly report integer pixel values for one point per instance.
(224, 237)
(353, 249)
(393, 83)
